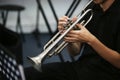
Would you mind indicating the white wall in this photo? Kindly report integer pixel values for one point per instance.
(28, 16)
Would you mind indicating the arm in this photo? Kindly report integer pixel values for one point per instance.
(84, 35)
(74, 48)
(108, 54)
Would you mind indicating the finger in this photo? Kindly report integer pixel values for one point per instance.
(73, 34)
(74, 19)
(60, 28)
(70, 39)
(79, 26)
(64, 18)
(62, 21)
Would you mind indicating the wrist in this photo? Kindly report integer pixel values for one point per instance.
(92, 40)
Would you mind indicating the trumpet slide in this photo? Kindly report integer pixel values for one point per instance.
(58, 38)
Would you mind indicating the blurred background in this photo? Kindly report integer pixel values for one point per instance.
(34, 22)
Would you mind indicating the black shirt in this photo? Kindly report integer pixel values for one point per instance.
(106, 27)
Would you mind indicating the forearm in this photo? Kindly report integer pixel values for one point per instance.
(108, 54)
(74, 48)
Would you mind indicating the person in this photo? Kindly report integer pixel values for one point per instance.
(100, 59)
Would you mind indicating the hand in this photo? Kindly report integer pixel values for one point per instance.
(82, 35)
(63, 21)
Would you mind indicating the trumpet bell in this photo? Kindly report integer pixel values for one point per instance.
(36, 63)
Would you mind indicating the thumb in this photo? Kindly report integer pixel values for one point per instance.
(79, 26)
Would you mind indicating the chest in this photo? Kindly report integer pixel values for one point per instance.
(105, 27)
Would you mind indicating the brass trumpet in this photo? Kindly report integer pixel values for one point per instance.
(58, 38)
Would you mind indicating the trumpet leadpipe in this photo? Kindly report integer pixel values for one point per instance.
(51, 40)
(64, 44)
(58, 49)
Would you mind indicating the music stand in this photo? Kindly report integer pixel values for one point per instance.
(9, 67)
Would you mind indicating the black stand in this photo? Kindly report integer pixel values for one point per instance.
(6, 9)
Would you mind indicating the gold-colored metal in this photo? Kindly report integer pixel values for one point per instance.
(52, 47)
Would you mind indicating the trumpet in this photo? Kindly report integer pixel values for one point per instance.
(52, 48)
